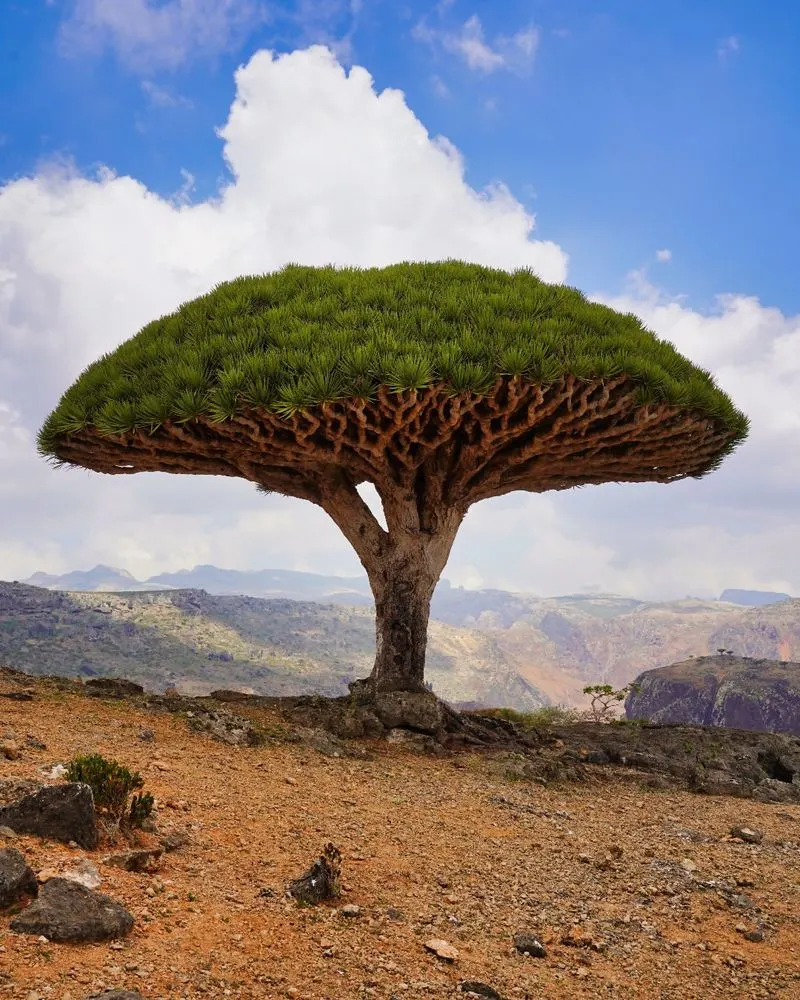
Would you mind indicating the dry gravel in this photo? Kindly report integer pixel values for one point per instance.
(635, 893)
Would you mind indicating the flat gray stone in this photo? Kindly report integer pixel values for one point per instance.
(69, 912)
(134, 861)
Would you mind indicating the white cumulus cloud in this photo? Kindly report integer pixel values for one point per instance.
(324, 169)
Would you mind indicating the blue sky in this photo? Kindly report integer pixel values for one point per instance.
(635, 127)
(152, 148)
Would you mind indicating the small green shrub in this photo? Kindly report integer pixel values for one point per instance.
(140, 809)
(539, 718)
(112, 786)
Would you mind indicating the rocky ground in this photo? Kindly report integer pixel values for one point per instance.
(633, 885)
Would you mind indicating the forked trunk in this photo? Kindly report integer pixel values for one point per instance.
(403, 562)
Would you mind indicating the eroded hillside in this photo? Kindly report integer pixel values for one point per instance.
(199, 642)
(494, 649)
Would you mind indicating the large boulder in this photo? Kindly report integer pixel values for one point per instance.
(69, 912)
(57, 812)
(16, 877)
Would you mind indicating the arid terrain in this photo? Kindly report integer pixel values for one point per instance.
(485, 647)
(634, 891)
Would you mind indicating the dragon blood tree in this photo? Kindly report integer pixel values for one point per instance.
(441, 383)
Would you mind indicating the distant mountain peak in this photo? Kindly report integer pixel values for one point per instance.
(753, 598)
(102, 568)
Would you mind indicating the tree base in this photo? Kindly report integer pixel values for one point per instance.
(367, 713)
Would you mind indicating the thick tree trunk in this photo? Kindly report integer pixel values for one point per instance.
(403, 591)
(403, 562)
(403, 580)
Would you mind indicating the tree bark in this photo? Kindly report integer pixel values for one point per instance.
(403, 590)
(403, 562)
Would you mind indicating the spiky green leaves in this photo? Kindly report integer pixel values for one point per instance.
(304, 336)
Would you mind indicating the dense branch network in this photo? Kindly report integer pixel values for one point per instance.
(448, 451)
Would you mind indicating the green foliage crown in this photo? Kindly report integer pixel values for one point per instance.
(302, 336)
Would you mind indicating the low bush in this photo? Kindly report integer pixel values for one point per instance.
(113, 787)
(539, 718)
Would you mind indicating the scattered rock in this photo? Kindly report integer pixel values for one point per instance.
(7, 833)
(57, 812)
(528, 944)
(147, 735)
(13, 789)
(85, 873)
(442, 949)
(656, 783)
(597, 757)
(392, 913)
(134, 861)
(17, 695)
(688, 865)
(576, 937)
(351, 910)
(321, 881)
(227, 727)
(175, 840)
(116, 995)
(33, 743)
(412, 740)
(16, 877)
(69, 912)
(345, 717)
(10, 749)
(112, 687)
(755, 935)
(748, 834)
(477, 989)
(328, 744)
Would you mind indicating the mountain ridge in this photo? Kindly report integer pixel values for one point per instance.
(291, 583)
(198, 642)
(486, 647)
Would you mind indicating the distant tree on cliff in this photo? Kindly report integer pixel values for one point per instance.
(442, 384)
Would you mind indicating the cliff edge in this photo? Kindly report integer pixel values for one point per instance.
(737, 692)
